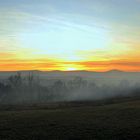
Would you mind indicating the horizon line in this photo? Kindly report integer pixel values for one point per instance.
(112, 70)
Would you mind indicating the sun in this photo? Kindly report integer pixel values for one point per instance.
(71, 69)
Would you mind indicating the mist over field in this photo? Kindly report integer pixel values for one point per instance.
(28, 87)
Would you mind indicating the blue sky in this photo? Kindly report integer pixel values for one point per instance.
(72, 30)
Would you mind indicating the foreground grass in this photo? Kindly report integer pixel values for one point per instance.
(107, 122)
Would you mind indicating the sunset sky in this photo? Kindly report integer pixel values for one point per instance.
(94, 35)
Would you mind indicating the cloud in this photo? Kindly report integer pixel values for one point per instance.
(88, 40)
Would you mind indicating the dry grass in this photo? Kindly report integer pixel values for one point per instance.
(120, 120)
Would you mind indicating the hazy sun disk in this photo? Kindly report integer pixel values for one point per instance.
(71, 69)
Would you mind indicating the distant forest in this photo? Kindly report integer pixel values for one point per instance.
(18, 89)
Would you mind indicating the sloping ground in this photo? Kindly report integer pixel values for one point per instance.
(120, 120)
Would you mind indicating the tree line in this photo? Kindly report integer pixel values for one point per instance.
(29, 89)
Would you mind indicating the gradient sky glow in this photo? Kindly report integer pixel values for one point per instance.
(95, 35)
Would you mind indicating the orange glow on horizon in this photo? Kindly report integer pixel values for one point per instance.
(99, 66)
(46, 36)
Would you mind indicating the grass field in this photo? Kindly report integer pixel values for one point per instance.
(117, 121)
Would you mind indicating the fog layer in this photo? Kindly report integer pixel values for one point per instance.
(32, 87)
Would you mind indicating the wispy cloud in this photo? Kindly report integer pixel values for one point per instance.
(92, 35)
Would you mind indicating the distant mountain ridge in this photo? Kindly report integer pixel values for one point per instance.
(114, 70)
(74, 71)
